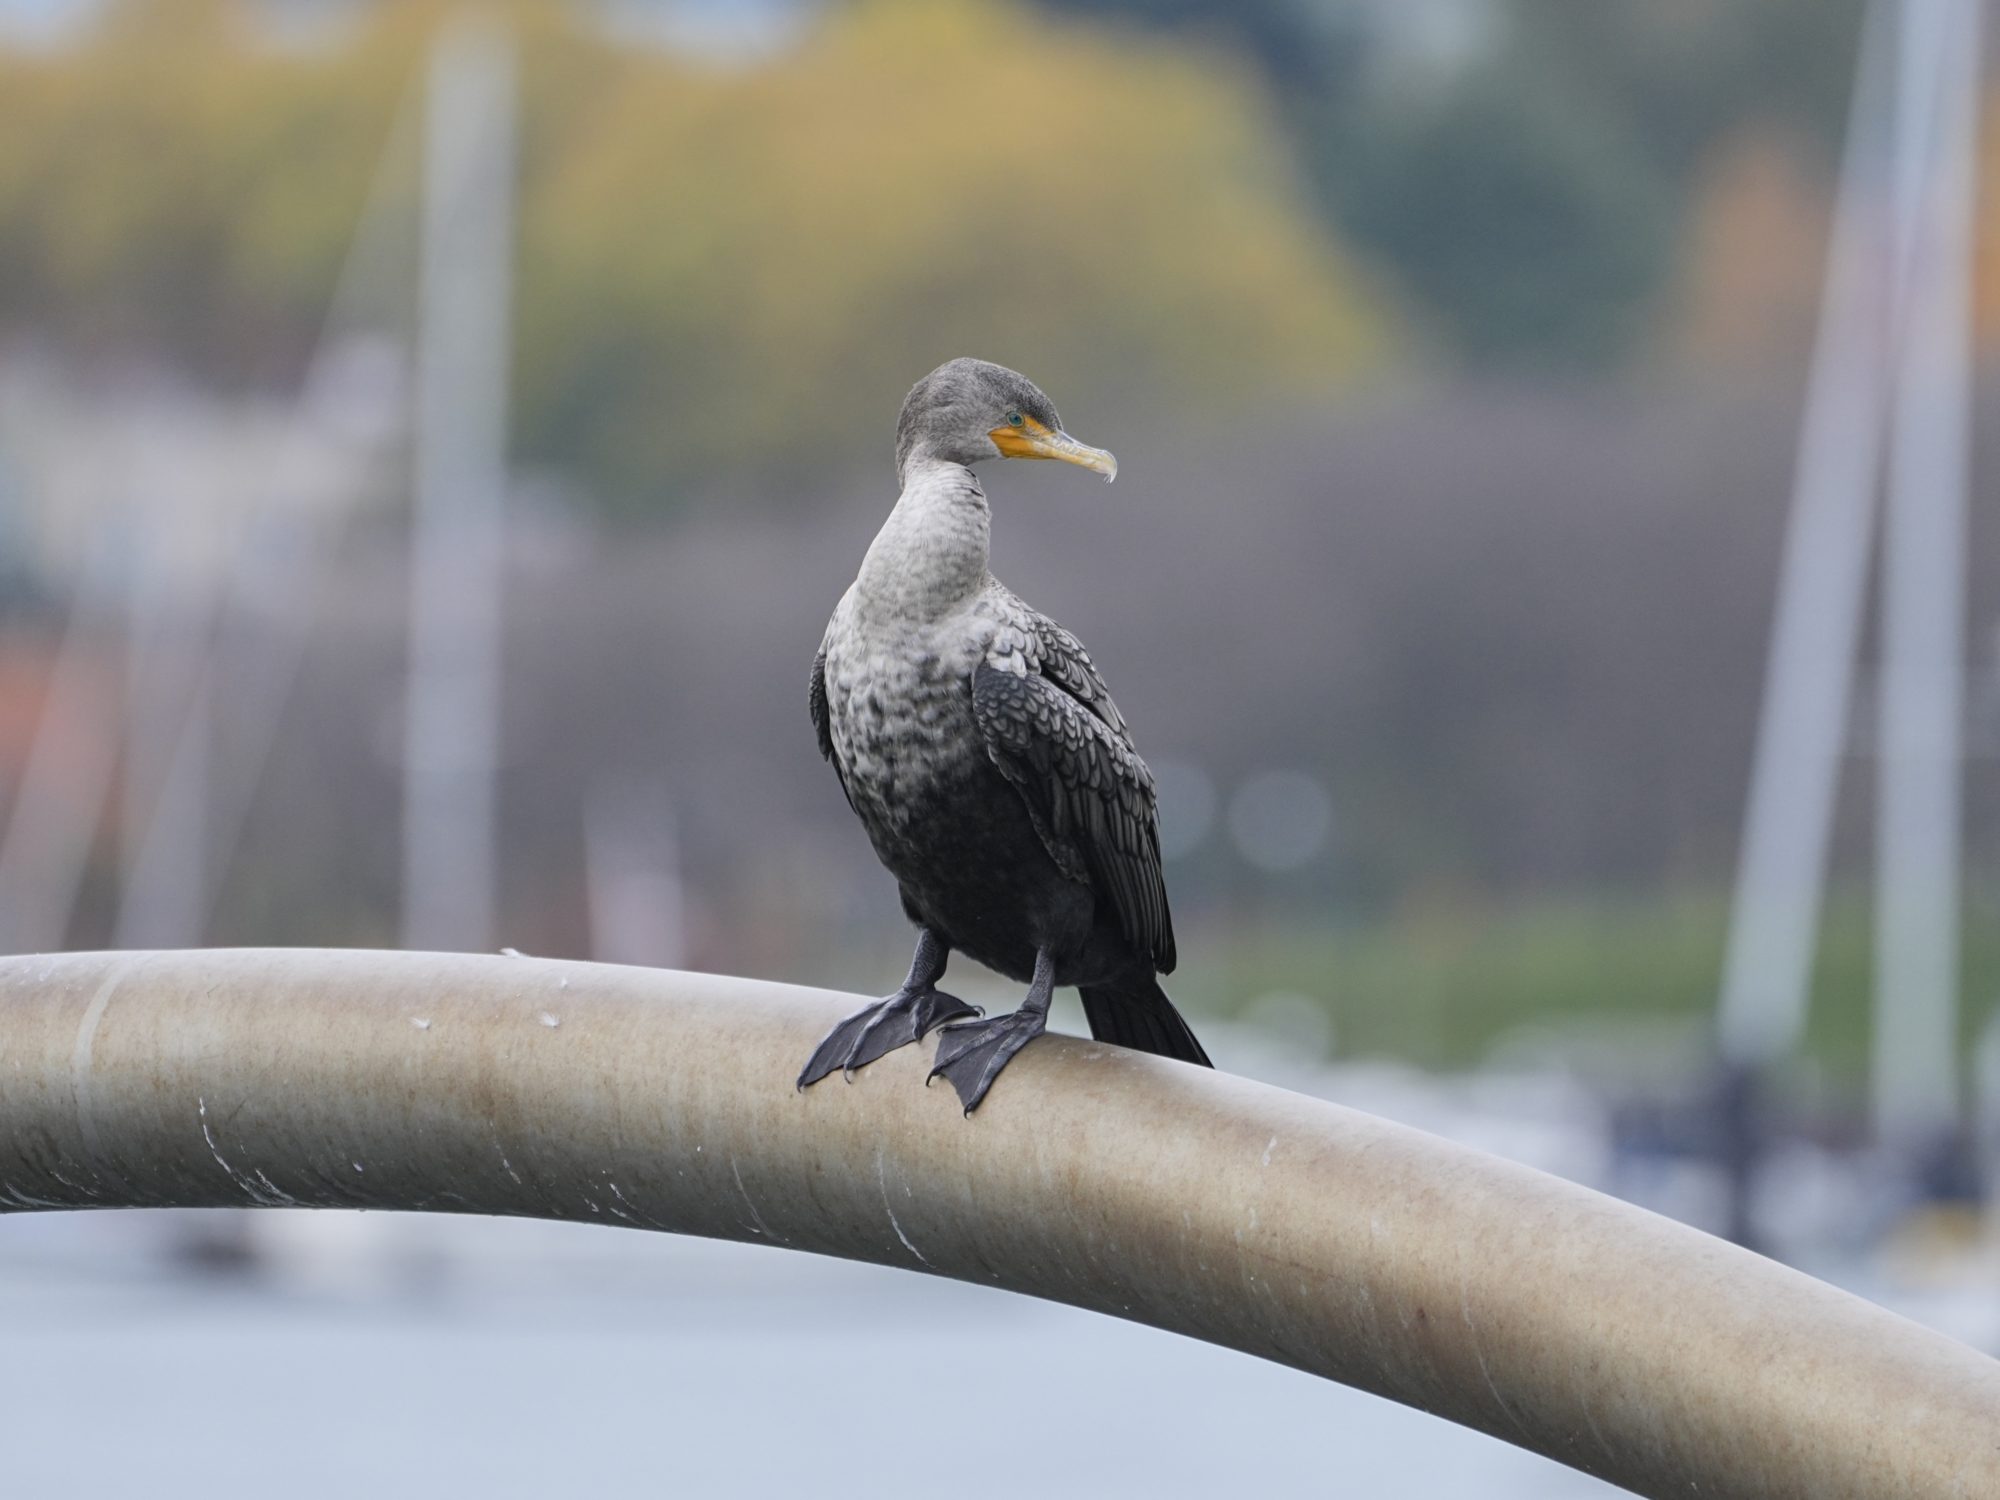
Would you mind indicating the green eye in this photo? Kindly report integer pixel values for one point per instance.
(1013, 419)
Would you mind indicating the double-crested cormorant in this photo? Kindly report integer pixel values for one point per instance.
(993, 773)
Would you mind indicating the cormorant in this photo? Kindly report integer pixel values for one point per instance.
(981, 751)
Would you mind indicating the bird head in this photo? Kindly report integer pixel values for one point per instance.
(970, 409)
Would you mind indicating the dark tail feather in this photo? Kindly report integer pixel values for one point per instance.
(1136, 1013)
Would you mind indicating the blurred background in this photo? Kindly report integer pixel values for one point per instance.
(432, 438)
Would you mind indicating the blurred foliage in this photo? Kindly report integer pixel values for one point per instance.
(1443, 984)
(920, 181)
(728, 267)
(721, 268)
(170, 188)
(1515, 214)
(1534, 198)
(1299, 45)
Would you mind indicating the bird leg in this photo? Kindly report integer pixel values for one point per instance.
(904, 1017)
(970, 1054)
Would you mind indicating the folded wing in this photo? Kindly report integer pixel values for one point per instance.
(1090, 795)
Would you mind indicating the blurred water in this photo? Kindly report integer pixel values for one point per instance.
(590, 1360)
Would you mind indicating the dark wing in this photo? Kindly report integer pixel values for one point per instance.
(822, 725)
(1089, 793)
(1062, 659)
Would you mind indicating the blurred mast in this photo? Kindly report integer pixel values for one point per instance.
(1921, 707)
(1893, 344)
(452, 717)
(1788, 822)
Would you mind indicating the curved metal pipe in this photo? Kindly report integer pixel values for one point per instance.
(1530, 1308)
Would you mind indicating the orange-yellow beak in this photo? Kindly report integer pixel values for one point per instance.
(1033, 440)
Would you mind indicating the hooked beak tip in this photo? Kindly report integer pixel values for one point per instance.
(1097, 460)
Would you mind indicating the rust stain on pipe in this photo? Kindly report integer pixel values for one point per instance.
(1533, 1309)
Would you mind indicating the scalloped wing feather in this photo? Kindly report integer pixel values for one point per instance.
(1090, 795)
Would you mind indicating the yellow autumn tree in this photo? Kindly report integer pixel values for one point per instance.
(723, 268)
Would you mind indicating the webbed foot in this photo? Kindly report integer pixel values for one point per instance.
(876, 1030)
(971, 1054)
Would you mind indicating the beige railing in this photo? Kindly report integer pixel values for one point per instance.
(1487, 1293)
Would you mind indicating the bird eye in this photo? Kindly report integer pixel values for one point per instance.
(1013, 419)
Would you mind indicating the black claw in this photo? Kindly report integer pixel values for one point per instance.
(971, 1054)
(880, 1029)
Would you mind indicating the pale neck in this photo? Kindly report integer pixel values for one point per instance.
(931, 554)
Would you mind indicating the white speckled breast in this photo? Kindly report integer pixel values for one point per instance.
(900, 653)
(901, 648)
(899, 703)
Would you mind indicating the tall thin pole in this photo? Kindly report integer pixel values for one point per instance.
(1921, 708)
(452, 717)
(1774, 919)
